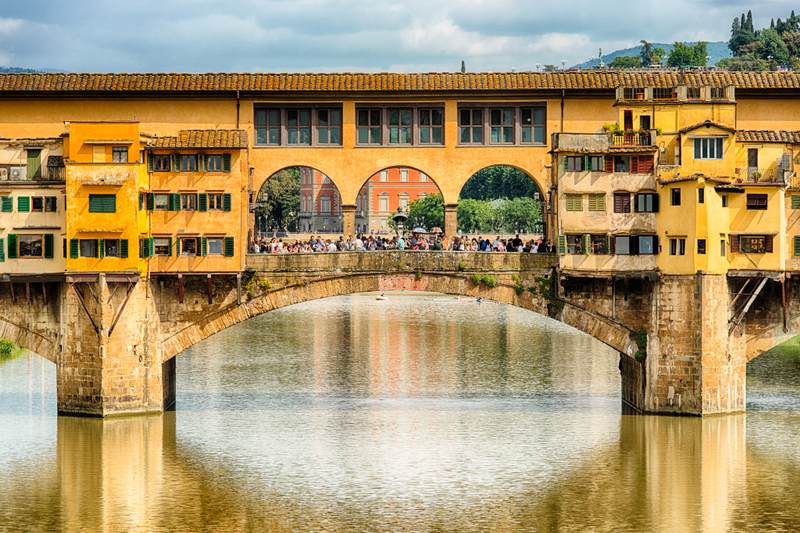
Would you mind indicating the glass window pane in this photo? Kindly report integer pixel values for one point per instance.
(363, 117)
(465, 137)
(477, 116)
(424, 117)
(508, 116)
(495, 135)
(322, 117)
(274, 117)
(405, 116)
(274, 136)
(375, 116)
(437, 136)
(363, 135)
(496, 116)
(464, 116)
(305, 136)
(335, 117)
(375, 135)
(394, 117)
(425, 135)
(323, 136)
(477, 135)
(526, 116)
(508, 135)
(436, 117)
(538, 134)
(336, 137)
(538, 115)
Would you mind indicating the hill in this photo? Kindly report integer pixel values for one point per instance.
(716, 50)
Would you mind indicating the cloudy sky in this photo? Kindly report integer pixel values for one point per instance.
(357, 35)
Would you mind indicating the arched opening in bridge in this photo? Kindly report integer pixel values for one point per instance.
(297, 200)
(501, 200)
(405, 189)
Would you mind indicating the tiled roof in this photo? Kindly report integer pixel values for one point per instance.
(768, 136)
(378, 82)
(202, 139)
(706, 124)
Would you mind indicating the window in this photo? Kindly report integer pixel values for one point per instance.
(423, 177)
(403, 175)
(325, 204)
(188, 201)
(111, 248)
(622, 202)
(88, 248)
(119, 154)
(161, 201)
(622, 245)
(298, 126)
(755, 244)
(532, 125)
(383, 203)
(400, 125)
(501, 123)
(188, 162)
(470, 126)
(214, 163)
(717, 93)
(215, 201)
(431, 126)
(693, 93)
(724, 200)
(162, 246)
(268, 126)
(675, 196)
(159, 162)
(6, 204)
(574, 202)
(102, 203)
(647, 202)
(369, 126)
(188, 246)
(403, 201)
(329, 126)
(701, 246)
(701, 196)
(722, 247)
(384, 175)
(37, 204)
(30, 245)
(757, 202)
(422, 195)
(677, 246)
(599, 244)
(597, 202)
(597, 163)
(575, 244)
(50, 204)
(574, 163)
(621, 163)
(214, 245)
(708, 148)
(647, 244)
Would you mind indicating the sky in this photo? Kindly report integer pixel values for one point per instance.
(354, 35)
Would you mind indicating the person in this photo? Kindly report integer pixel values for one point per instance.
(401, 243)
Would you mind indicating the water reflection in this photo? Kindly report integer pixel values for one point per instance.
(429, 414)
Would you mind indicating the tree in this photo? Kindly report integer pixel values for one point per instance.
(741, 35)
(279, 198)
(475, 216)
(499, 181)
(772, 48)
(649, 55)
(744, 63)
(626, 62)
(518, 215)
(427, 212)
(688, 55)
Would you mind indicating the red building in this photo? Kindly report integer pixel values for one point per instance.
(320, 203)
(387, 191)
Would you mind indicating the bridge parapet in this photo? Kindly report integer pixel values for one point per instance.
(401, 261)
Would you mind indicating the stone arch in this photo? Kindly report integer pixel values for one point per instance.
(264, 176)
(375, 175)
(541, 183)
(607, 331)
(29, 340)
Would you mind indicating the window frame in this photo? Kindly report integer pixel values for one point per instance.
(115, 150)
(156, 246)
(431, 127)
(708, 151)
(210, 240)
(753, 202)
(628, 202)
(31, 239)
(518, 125)
(294, 133)
(332, 127)
(186, 198)
(88, 242)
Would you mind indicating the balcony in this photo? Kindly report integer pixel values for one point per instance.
(20, 173)
(110, 174)
(633, 139)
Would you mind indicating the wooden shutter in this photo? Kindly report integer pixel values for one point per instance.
(768, 243)
(174, 201)
(123, 248)
(609, 164)
(226, 162)
(150, 162)
(796, 201)
(597, 202)
(796, 245)
(622, 202)
(150, 201)
(12, 246)
(48, 245)
(74, 248)
(612, 247)
(655, 245)
(201, 162)
(586, 165)
(176, 162)
(562, 244)
(143, 248)
(3, 250)
(102, 203)
(203, 246)
(656, 202)
(574, 202)
(645, 164)
(587, 243)
(229, 247)
(226, 201)
(735, 244)
(23, 204)
(633, 244)
(101, 248)
(6, 204)
(141, 201)
(564, 163)
(202, 201)
(634, 165)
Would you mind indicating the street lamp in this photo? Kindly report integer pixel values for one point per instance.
(399, 219)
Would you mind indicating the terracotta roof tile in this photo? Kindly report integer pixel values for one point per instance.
(768, 136)
(378, 82)
(202, 139)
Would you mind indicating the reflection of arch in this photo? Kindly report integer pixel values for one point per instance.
(607, 331)
(385, 191)
(541, 186)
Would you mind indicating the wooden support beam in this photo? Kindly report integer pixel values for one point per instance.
(28, 291)
(239, 288)
(85, 309)
(785, 305)
(740, 316)
(13, 294)
(118, 314)
(180, 288)
(209, 289)
(738, 295)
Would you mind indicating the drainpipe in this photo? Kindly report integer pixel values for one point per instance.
(237, 108)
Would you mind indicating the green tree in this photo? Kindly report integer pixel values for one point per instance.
(746, 63)
(279, 198)
(475, 216)
(649, 55)
(688, 55)
(427, 212)
(499, 182)
(626, 62)
(518, 215)
(772, 48)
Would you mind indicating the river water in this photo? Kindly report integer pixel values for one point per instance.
(417, 413)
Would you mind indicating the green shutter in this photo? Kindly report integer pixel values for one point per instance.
(103, 203)
(101, 248)
(23, 204)
(587, 244)
(150, 162)
(48, 246)
(226, 162)
(226, 201)
(12, 246)
(34, 163)
(228, 246)
(171, 244)
(141, 201)
(586, 163)
(74, 248)
(796, 201)
(7, 204)
(562, 244)
(202, 202)
(797, 245)
(174, 201)
(150, 247)
(176, 162)
(143, 248)
(150, 201)
(2, 250)
(123, 248)
(203, 246)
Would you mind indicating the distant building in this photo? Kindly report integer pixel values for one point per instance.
(387, 191)
(320, 203)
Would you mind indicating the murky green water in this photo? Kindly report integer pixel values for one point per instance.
(419, 413)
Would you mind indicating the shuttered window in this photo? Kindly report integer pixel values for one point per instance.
(102, 203)
(48, 246)
(562, 244)
(796, 201)
(574, 202)
(23, 204)
(229, 247)
(622, 202)
(12, 246)
(647, 202)
(597, 202)
(226, 201)
(3, 250)
(74, 248)
(6, 204)
(757, 202)
(796, 246)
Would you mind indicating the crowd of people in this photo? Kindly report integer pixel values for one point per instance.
(421, 242)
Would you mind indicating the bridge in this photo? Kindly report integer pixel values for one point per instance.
(684, 341)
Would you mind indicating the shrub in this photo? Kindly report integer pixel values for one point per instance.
(7, 349)
(417, 275)
(461, 267)
(476, 279)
